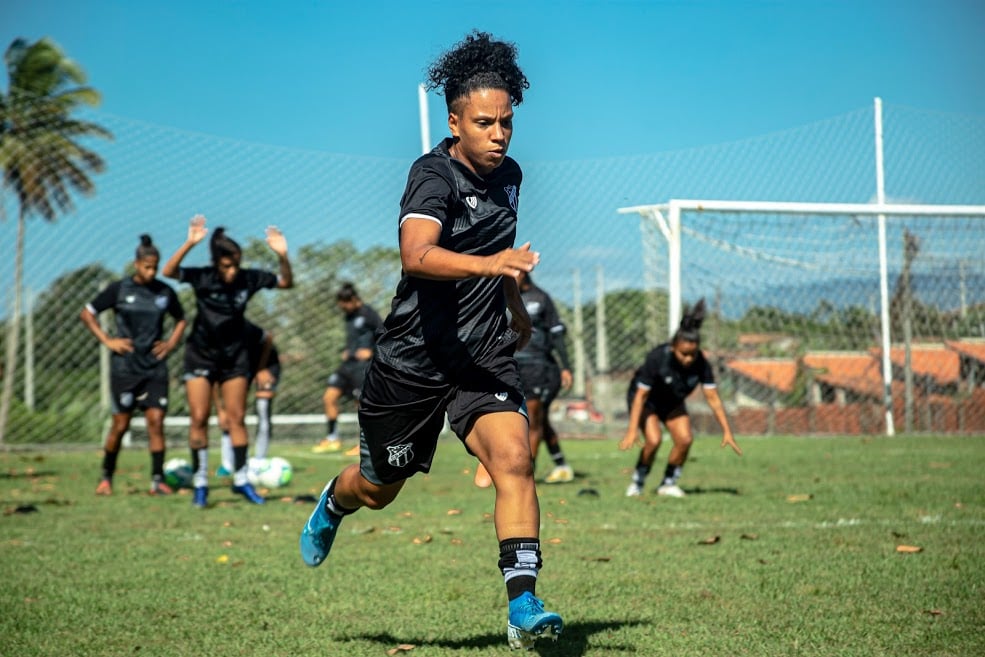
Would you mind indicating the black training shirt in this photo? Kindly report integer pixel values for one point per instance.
(667, 380)
(139, 311)
(548, 330)
(436, 328)
(219, 330)
(360, 330)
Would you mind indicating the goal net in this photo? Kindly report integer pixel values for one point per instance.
(825, 317)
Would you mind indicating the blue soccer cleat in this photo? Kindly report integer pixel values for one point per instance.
(201, 497)
(528, 622)
(250, 493)
(319, 532)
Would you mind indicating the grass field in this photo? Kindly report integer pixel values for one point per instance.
(790, 550)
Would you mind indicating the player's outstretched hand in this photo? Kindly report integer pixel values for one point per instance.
(196, 229)
(729, 440)
(276, 240)
(628, 441)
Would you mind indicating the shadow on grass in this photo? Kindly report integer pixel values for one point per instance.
(33, 474)
(698, 490)
(572, 643)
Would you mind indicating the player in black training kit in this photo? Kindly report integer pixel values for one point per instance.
(138, 369)
(446, 346)
(217, 350)
(542, 378)
(656, 394)
(361, 325)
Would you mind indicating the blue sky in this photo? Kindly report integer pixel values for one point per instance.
(607, 78)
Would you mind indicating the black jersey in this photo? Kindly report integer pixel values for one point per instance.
(139, 311)
(219, 330)
(436, 329)
(666, 379)
(547, 337)
(360, 329)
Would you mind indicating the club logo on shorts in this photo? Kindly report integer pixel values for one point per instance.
(502, 396)
(400, 455)
(126, 399)
(512, 194)
(472, 201)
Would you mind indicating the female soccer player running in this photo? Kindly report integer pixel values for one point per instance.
(446, 345)
(656, 394)
(218, 349)
(138, 369)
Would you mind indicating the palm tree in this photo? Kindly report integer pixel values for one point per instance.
(41, 157)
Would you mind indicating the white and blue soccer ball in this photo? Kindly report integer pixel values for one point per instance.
(272, 472)
(178, 473)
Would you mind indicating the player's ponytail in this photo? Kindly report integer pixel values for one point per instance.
(146, 248)
(689, 329)
(223, 246)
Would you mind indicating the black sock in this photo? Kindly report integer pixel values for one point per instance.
(642, 470)
(331, 426)
(239, 457)
(332, 505)
(109, 464)
(519, 561)
(554, 449)
(157, 466)
(671, 474)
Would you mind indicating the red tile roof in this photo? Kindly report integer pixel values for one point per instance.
(779, 373)
(970, 348)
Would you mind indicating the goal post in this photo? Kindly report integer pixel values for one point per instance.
(803, 258)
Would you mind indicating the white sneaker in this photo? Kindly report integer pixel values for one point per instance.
(634, 490)
(561, 474)
(670, 490)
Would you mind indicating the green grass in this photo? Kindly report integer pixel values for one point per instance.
(138, 575)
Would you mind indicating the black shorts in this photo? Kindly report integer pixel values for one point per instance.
(131, 391)
(540, 379)
(401, 417)
(217, 368)
(664, 409)
(349, 378)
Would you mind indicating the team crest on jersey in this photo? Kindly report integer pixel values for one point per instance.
(242, 297)
(512, 193)
(533, 307)
(130, 298)
(668, 380)
(359, 322)
(472, 201)
(161, 301)
(400, 455)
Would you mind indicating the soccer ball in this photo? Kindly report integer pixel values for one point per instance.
(269, 473)
(178, 473)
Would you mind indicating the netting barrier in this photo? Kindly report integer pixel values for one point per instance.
(792, 286)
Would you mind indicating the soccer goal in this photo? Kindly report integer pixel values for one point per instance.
(796, 290)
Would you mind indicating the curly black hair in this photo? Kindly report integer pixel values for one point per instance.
(477, 62)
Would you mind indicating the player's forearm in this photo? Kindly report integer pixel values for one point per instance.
(437, 263)
(173, 265)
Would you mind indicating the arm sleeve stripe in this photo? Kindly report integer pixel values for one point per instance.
(417, 215)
